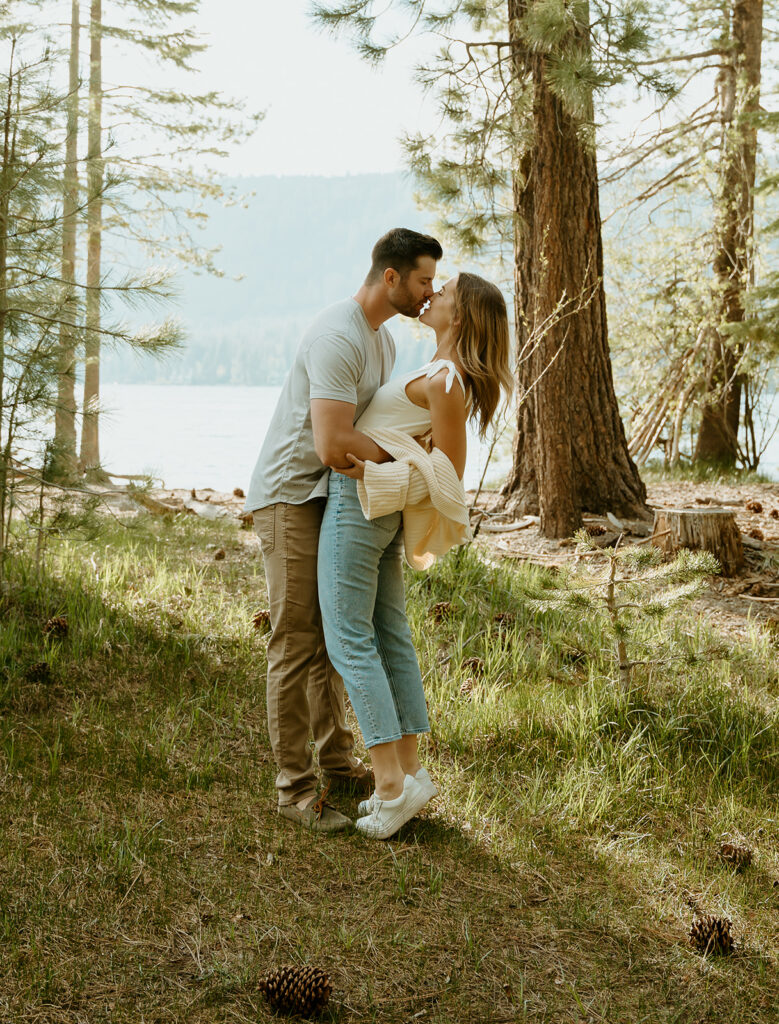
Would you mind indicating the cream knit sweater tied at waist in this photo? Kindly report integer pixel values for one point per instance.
(425, 487)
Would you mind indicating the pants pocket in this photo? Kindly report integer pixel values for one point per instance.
(265, 525)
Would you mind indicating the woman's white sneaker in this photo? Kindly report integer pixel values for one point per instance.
(429, 788)
(423, 778)
(387, 816)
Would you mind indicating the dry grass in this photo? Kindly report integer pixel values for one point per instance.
(146, 877)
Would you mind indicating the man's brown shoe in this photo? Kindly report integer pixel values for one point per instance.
(318, 816)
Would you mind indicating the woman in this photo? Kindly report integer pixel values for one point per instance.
(360, 560)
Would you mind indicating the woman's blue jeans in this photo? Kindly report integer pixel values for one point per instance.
(364, 616)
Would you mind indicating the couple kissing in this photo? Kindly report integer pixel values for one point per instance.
(357, 472)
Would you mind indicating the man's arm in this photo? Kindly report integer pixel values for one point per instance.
(334, 435)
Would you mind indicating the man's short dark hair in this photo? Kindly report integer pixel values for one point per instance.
(400, 249)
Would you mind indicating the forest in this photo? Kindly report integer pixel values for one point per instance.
(599, 652)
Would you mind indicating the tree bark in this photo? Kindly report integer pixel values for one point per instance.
(64, 464)
(90, 438)
(5, 191)
(570, 452)
(710, 529)
(738, 86)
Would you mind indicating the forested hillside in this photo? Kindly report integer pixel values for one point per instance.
(296, 245)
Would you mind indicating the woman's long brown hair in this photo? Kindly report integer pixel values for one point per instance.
(483, 345)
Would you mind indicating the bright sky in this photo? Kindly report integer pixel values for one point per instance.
(327, 111)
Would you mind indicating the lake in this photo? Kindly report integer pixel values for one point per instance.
(196, 436)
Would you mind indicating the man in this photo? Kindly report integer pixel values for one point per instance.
(345, 355)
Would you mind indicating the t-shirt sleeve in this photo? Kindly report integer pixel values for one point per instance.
(334, 365)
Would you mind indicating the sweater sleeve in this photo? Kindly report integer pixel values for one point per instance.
(384, 488)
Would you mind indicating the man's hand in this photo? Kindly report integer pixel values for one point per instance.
(356, 470)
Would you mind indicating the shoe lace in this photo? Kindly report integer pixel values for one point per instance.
(321, 802)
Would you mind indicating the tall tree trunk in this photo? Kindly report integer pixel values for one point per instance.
(5, 192)
(739, 98)
(570, 452)
(90, 443)
(64, 464)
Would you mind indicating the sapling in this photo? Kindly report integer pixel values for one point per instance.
(632, 587)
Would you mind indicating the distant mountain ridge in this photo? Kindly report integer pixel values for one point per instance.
(301, 244)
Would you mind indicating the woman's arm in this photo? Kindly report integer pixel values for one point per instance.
(449, 415)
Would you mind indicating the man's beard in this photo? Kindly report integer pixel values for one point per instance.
(404, 302)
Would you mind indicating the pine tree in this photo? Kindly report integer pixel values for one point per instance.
(31, 295)
(64, 461)
(90, 436)
(738, 85)
(629, 591)
(704, 159)
(36, 311)
(147, 197)
(519, 100)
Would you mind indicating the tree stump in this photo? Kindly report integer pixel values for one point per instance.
(710, 529)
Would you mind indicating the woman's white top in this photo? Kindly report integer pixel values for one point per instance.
(424, 486)
(391, 407)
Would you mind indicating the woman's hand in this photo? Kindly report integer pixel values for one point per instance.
(357, 470)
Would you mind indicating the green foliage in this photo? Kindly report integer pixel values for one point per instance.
(630, 588)
(166, 177)
(480, 81)
(34, 301)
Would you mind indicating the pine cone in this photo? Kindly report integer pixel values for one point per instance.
(261, 621)
(56, 627)
(238, 493)
(504, 620)
(466, 688)
(738, 857)
(247, 520)
(753, 506)
(756, 533)
(473, 665)
(38, 673)
(219, 555)
(774, 513)
(595, 530)
(442, 610)
(302, 990)
(711, 934)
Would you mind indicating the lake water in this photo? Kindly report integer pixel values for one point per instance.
(194, 436)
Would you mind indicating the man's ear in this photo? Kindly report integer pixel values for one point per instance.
(391, 277)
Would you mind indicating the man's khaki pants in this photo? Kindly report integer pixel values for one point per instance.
(305, 693)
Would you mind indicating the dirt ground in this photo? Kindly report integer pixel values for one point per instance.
(735, 604)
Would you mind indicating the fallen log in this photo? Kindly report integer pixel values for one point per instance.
(153, 505)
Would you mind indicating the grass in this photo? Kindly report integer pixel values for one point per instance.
(656, 471)
(144, 874)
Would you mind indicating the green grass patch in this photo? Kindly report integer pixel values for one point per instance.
(146, 876)
(656, 471)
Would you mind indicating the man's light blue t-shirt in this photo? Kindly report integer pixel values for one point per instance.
(340, 357)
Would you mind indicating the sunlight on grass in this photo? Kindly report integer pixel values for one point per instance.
(145, 869)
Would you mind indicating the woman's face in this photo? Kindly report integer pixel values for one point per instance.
(440, 313)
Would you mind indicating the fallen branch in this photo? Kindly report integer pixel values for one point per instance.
(511, 527)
